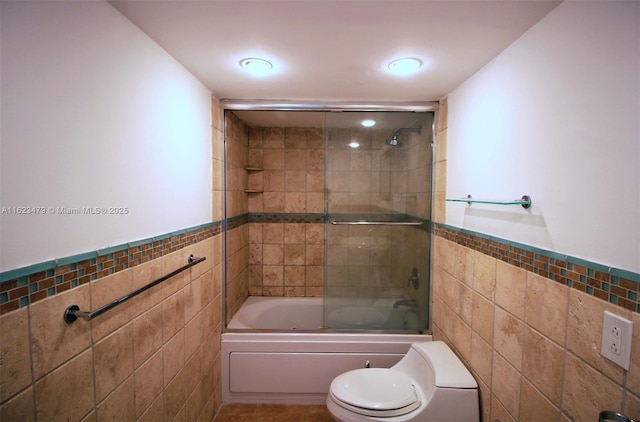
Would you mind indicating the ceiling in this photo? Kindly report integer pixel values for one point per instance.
(334, 50)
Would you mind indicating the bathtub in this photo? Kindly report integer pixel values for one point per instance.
(278, 313)
(306, 313)
(275, 351)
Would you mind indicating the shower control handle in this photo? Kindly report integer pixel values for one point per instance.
(414, 279)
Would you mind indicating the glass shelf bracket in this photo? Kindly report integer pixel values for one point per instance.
(525, 201)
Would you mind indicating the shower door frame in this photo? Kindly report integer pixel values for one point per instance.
(323, 106)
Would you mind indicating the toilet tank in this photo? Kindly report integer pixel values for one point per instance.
(448, 369)
(450, 391)
(433, 364)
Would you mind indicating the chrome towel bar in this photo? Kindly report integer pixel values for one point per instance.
(376, 223)
(73, 312)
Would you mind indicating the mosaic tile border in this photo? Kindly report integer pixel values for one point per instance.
(274, 217)
(237, 221)
(613, 285)
(24, 286)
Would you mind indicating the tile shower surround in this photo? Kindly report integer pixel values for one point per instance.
(273, 172)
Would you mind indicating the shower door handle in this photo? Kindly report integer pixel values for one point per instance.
(377, 223)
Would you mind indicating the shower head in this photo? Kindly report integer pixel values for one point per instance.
(395, 142)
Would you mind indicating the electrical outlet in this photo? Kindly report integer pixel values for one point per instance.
(616, 339)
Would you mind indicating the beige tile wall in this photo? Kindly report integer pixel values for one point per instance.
(237, 160)
(237, 268)
(286, 258)
(359, 262)
(417, 201)
(368, 179)
(291, 179)
(154, 357)
(217, 160)
(440, 160)
(532, 344)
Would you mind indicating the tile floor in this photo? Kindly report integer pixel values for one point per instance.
(243, 412)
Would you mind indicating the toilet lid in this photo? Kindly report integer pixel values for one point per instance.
(377, 390)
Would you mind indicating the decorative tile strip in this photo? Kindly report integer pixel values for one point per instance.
(31, 284)
(287, 218)
(614, 285)
(237, 221)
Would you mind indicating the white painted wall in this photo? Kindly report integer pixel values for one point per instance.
(556, 116)
(95, 114)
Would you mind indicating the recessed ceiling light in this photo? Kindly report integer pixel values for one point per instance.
(404, 66)
(368, 123)
(256, 66)
(354, 144)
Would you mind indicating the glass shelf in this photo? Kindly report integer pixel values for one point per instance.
(525, 201)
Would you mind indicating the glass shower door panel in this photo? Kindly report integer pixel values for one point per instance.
(378, 187)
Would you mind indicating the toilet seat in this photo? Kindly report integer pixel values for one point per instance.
(375, 392)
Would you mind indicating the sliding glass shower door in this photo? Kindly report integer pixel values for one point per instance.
(378, 207)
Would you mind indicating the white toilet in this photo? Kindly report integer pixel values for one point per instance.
(429, 384)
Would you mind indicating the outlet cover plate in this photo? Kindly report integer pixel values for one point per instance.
(616, 339)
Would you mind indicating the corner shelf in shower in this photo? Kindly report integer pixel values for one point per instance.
(253, 190)
(525, 201)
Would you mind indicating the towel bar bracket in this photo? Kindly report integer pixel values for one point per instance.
(73, 312)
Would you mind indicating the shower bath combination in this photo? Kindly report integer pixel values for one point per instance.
(369, 240)
(395, 142)
(374, 204)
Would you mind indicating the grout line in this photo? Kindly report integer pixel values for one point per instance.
(565, 351)
(33, 378)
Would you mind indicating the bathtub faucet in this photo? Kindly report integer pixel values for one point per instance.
(412, 303)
